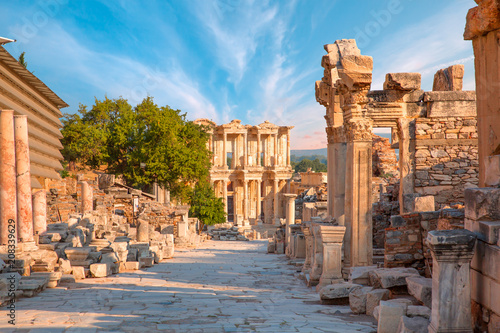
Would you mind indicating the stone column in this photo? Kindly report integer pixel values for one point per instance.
(87, 198)
(332, 237)
(259, 195)
(224, 150)
(245, 147)
(275, 149)
(8, 200)
(23, 180)
(288, 148)
(290, 216)
(259, 150)
(224, 195)
(337, 151)
(406, 133)
(317, 257)
(277, 220)
(483, 24)
(246, 201)
(40, 211)
(452, 252)
(306, 230)
(358, 205)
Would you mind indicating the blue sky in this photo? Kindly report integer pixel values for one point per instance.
(229, 59)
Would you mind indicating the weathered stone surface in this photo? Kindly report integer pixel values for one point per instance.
(78, 272)
(65, 266)
(389, 315)
(360, 274)
(424, 204)
(132, 265)
(337, 293)
(449, 79)
(100, 270)
(421, 289)
(492, 171)
(418, 311)
(391, 277)
(402, 81)
(146, 261)
(357, 299)
(373, 299)
(482, 203)
(482, 19)
(412, 325)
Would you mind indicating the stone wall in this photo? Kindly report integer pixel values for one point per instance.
(446, 158)
(405, 238)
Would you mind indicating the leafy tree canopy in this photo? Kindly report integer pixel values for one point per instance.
(146, 144)
(206, 206)
(305, 164)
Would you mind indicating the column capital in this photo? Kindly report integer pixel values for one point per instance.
(358, 129)
(452, 245)
(290, 196)
(331, 233)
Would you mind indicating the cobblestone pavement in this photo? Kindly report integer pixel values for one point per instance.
(219, 287)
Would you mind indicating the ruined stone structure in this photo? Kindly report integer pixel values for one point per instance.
(434, 131)
(251, 169)
(482, 210)
(29, 147)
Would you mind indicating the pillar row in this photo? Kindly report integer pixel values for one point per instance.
(8, 199)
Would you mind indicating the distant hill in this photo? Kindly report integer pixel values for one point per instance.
(308, 152)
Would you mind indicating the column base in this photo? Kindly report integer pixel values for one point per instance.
(326, 282)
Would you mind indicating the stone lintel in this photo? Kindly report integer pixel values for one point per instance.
(438, 96)
(452, 245)
(482, 19)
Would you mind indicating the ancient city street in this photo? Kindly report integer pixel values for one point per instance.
(219, 287)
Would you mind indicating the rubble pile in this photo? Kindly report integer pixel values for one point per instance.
(227, 234)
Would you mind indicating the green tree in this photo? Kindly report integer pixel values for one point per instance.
(205, 205)
(123, 138)
(314, 165)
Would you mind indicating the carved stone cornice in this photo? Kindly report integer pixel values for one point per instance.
(335, 134)
(358, 129)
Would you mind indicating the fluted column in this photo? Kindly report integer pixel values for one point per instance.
(259, 195)
(259, 150)
(276, 203)
(224, 149)
(290, 216)
(40, 211)
(275, 149)
(224, 195)
(246, 200)
(8, 200)
(23, 180)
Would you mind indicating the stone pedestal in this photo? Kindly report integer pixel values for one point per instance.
(8, 200)
(23, 180)
(332, 237)
(452, 252)
(40, 212)
(87, 198)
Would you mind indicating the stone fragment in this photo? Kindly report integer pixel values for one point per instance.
(65, 266)
(482, 203)
(79, 272)
(418, 310)
(421, 289)
(373, 299)
(337, 294)
(412, 325)
(402, 81)
(100, 270)
(360, 274)
(391, 277)
(449, 79)
(357, 299)
(389, 315)
(67, 278)
(132, 265)
(146, 261)
(112, 259)
(424, 204)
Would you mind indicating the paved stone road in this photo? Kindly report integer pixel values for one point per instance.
(220, 287)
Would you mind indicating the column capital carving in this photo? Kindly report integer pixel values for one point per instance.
(358, 129)
(452, 245)
(335, 134)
